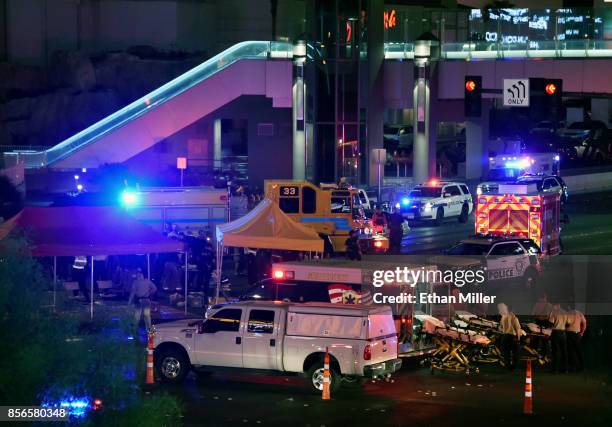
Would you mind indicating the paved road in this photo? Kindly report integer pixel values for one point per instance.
(588, 233)
(415, 398)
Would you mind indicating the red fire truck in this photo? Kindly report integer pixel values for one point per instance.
(521, 211)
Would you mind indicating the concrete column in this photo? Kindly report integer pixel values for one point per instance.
(421, 154)
(298, 119)
(477, 144)
(375, 87)
(600, 109)
(432, 119)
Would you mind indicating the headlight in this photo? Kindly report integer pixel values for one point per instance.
(479, 190)
(428, 206)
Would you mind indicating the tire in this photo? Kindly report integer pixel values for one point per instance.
(465, 212)
(439, 216)
(314, 376)
(171, 365)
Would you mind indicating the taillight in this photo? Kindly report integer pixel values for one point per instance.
(367, 352)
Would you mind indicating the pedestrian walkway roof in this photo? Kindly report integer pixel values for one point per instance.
(86, 230)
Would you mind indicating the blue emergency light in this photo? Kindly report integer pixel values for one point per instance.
(129, 199)
(405, 201)
(518, 164)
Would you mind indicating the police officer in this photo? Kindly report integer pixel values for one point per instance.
(576, 325)
(142, 291)
(558, 318)
(510, 328)
(396, 232)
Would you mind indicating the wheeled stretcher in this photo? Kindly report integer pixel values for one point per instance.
(533, 341)
(456, 347)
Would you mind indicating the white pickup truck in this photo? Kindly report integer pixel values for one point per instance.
(278, 336)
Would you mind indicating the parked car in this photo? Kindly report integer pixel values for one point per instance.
(581, 130)
(278, 336)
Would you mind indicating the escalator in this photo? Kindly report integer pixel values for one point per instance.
(247, 68)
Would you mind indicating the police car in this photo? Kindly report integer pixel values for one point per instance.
(505, 258)
(437, 200)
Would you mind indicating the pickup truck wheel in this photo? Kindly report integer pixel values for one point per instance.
(172, 366)
(463, 217)
(315, 378)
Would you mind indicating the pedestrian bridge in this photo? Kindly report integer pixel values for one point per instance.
(265, 68)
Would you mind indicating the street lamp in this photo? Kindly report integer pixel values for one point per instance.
(426, 50)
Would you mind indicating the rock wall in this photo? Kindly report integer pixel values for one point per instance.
(45, 105)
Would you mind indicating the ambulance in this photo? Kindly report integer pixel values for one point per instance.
(341, 281)
(333, 212)
(521, 210)
(505, 169)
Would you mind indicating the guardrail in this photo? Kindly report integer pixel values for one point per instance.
(490, 50)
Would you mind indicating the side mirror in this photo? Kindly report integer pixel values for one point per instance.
(446, 195)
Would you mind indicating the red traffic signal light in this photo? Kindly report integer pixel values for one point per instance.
(470, 85)
(550, 88)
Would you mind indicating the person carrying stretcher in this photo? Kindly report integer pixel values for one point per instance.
(510, 328)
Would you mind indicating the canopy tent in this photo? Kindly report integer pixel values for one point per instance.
(265, 227)
(87, 231)
(268, 227)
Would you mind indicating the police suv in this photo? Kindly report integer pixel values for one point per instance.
(436, 200)
(505, 258)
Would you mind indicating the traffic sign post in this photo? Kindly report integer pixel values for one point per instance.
(516, 92)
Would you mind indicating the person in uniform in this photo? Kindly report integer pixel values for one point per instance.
(576, 326)
(396, 232)
(142, 291)
(510, 328)
(558, 337)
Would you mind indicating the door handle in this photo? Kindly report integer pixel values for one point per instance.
(238, 340)
(272, 342)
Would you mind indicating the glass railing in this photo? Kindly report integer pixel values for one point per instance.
(244, 50)
(503, 33)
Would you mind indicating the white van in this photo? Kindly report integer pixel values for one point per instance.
(278, 336)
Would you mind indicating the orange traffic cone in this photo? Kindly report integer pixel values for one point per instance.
(150, 379)
(326, 376)
(528, 405)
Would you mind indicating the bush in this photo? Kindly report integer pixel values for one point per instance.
(47, 357)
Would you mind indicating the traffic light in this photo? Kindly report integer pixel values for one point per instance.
(472, 96)
(546, 96)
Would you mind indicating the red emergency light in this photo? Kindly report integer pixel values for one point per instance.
(278, 274)
(550, 88)
(470, 85)
(378, 244)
